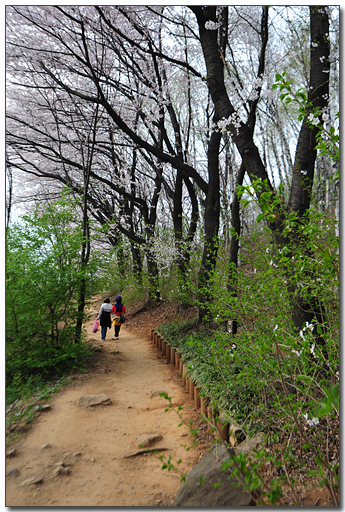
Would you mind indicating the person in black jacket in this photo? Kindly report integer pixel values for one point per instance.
(118, 310)
(104, 317)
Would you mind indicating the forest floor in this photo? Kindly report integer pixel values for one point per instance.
(77, 456)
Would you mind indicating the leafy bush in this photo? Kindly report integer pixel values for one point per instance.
(43, 277)
(273, 376)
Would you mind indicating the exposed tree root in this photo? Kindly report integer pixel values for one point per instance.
(145, 450)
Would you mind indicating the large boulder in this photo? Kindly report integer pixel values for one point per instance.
(195, 494)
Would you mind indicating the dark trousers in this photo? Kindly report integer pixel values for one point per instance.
(103, 332)
(117, 329)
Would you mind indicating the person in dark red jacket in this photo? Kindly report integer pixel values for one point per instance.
(118, 310)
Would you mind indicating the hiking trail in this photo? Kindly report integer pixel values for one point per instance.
(76, 456)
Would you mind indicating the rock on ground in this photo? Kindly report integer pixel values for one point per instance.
(251, 444)
(92, 400)
(146, 440)
(194, 494)
(11, 453)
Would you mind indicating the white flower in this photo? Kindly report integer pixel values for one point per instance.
(296, 352)
(254, 270)
(276, 327)
(312, 350)
(314, 45)
(313, 119)
(312, 422)
(211, 25)
(302, 335)
(267, 250)
(309, 326)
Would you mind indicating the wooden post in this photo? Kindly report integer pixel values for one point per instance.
(177, 360)
(184, 374)
(203, 405)
(235, 435)
(196, 397)
(167, 352)
(151, 334)
(210, 416)
(191, 389)
(172, 355)
(223, 429)
(164, 346)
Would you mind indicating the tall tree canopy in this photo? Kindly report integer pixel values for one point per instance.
(186, 111)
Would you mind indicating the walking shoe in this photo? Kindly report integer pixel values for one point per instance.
(116, 337)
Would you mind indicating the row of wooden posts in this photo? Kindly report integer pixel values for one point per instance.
(171, 354)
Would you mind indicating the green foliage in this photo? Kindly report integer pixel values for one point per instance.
(270, 377)
(328, 135)
(43, 276)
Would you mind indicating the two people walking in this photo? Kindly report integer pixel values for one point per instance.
(105, 314)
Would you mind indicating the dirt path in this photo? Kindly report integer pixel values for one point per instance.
(93, 441)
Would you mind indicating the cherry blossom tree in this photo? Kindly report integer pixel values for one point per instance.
(187, 113)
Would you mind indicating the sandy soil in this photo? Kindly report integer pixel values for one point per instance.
(92, 442)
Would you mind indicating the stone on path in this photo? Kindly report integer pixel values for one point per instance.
(61, 470)
(33, 480)
(92, 400)
(193, 494)
(146, 440)
(13, 472)
(11, 453)
(45, 446)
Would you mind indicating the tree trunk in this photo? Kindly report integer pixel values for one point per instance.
(300, 193)
(86, 246)
(85, 256)
(235, 242)
(211, 228)
(153, 276)
(137, 265)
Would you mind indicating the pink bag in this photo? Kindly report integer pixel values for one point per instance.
(95, 326)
